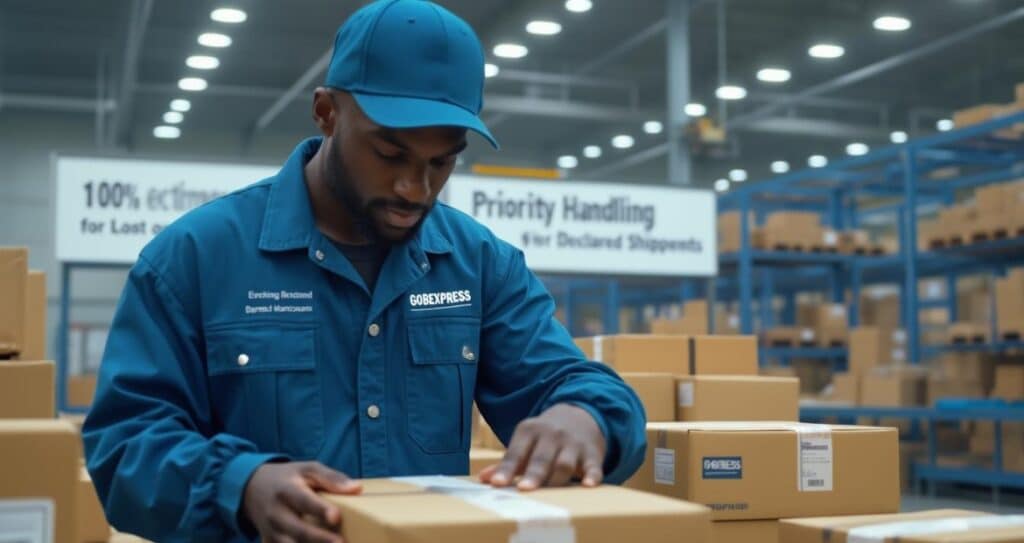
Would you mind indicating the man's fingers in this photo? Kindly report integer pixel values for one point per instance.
(515, 457)
(325, 478)
(289, 525)
(304, 501)
(487, 473)
(593, 467)
(539, 466)
(564, 466)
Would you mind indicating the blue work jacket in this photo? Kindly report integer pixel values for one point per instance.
(243, 335)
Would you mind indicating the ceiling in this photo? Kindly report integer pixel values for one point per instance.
(541, 106)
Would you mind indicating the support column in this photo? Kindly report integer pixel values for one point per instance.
(678, 58)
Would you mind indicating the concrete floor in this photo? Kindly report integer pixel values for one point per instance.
(972, 500)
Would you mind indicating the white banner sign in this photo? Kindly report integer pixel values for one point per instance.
(108, 209)
(601, 228)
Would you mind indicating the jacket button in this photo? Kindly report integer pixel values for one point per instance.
(467, 353)
(319, 255)
(373, 411)
(243, 359)
(374, 330)
(424, 266)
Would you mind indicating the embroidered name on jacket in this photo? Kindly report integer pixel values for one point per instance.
(430, 301)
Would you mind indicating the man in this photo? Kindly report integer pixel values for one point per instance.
(333, 322)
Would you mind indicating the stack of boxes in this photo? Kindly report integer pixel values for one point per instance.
(994, 214)
(1010, 305)
(874, 373)
(793, 231)
(41, 464)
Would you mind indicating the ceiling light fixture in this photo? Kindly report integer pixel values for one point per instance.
(510, 50)
(817, 161)
(694, 109)
(898, 136)
(826, 50)
(174, 117)
(568, 162)
(857, 149)
(721, 185)
(491, 70)
(731, 92)
(653, 127)
(774, 75)
(578, 6)
(892, 23)
(202, 62)
(737, 175)
(780, 166)
(167, 132)
(944, 125)
(592, 151)
(543, 28)
(228, 15)
(192, 84)
(181, 105)
(623, 141)
(214, 39)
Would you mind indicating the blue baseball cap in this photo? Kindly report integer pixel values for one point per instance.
(411, 64)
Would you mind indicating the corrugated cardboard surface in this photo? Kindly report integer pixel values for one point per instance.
(482, 458)
(895, 388)
(737, 398)
(393, 511)
(846, 388)
(967, 366)
(871, 347)
(657, 391)
(717, 355)
(865, 470)
(1009, 383)
(13, 282)
(675, 354)
(836, 529)
(745, 531)
(940, 387)
(27, 390)
(35, 317)
(40, 459)
(1010, 302)
(92, 524)
(81, 389)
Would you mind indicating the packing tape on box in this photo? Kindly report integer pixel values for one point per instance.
(684, 392)
(598, 348)
(537, 521)
(879, 533)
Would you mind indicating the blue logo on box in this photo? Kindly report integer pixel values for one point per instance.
(723, 467)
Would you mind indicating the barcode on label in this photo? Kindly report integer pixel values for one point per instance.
(811, 483)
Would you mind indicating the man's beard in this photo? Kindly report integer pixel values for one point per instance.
(362, 211)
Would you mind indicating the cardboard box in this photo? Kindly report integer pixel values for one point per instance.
(81, 390)
(793, 229)
(749, 470)
(737, 398)
(1009, 383)
(1010, 304)
(893, 387)
(35, 317)
(967, 366)
(27, 390)
(678, 355)
(854, 241)
(814, 374)
(987, 112)
(1020, 92)
(13, 285)
(39, 464)
(456, 510)
(846, 388)
(967, 333)
(874, 346)
(482, 458)
(941, 387)
(745, 531)
(694, 320)
(840, 529)
(789, 336)
(91, 522)
(657, 391)
(729, 231)
(777, 371)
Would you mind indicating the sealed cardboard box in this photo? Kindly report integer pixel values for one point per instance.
(13, 285)
(1009, 383)
(740, 397)
(941, 387)
(693, 321)
(1010, 304)
(459, 511)
(893, 387)
(27, 390)
(745, 531)
(91, 522)
(81, 389)
(679, 354)
(874, 346)
(772, 470)
(39, 470)
(966, 366)
(729, 231)
(938, 526)
(846, 388)
(482, 458)
(35, 317)
(657, 391)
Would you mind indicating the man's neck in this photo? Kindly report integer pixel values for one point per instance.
(332, 219)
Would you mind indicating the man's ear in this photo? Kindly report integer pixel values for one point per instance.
(326, 110)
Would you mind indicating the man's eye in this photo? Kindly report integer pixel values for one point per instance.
(389, 157)
(443, 162)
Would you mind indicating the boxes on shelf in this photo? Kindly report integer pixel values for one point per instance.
(941, 386)
(880, 308)
(854, 242)
(874, 346)
(936, 526)
(831, 328)
(967, 366)
(957, 220)
(931, 234)
(987, 112)
(737, 398)
(749, 470)
(694, 320)
(982, 443)
(846, 388)
(894, 386)
(81, 389)
(27, 390)
(657, 392)
(789, 336)
(792, 230)
(967, 333)
(40, 468)
(1010, 305)
(1009, 383)
(13, 286)
(729, 231)
(461, 511)
(814, 374)
(676, 354)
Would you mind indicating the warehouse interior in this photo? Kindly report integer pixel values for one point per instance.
(852, 172)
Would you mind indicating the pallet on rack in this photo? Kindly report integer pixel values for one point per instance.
(789, 336)
(1012, 333)
(967, 333)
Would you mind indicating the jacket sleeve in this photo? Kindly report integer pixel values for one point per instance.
(531, 363)
(159, 466)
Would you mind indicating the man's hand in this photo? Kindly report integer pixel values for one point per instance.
(549, 450)
(278, 496)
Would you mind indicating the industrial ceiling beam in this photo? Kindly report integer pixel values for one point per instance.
(56, 103)
(297, 89)
(138, 22)
(564, 109)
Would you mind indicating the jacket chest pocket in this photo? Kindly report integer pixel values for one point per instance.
(265, 387)
(439, 382)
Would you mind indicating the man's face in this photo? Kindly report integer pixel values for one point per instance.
(388, 179)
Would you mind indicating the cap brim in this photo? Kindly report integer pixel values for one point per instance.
(402, 112)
